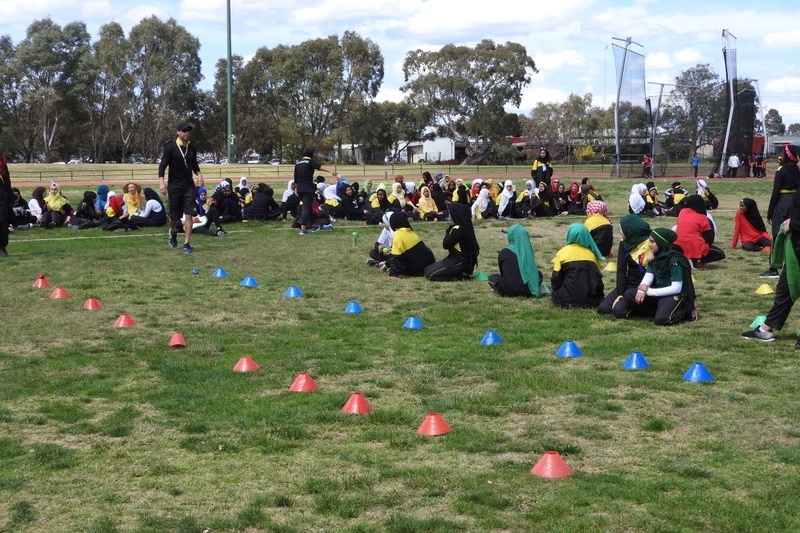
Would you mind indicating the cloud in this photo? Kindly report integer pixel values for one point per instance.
(782, 40)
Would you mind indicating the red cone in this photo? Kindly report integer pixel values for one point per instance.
(246, 364)
(59, 294)
(303, 383)
(552, 466)
(124, 321)
(41, 282)
(92, 304)
(357, 405)
(433, 425)
(177, 341)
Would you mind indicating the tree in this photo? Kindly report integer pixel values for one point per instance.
(466, 89)
(793, 129)
(773, 123)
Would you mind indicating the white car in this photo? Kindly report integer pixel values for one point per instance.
(74, 162)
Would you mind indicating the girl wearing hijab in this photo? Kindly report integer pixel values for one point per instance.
(351, 205)
(382, 248)
(207, 214)
(427, 206)
(476, 188)
(577, 280)
(289, 201)
(636, 201)
(508, 201)
(631, 259)
(574, 206)
(519, 275)
(242, 189)
(749, 227)
(542, 168)
(440, 199)
(134, 198)
(708, 197)
(21, 216)
(57, 208)
(100, 201)
(85, 216)
(599, 226)
(379, 205)
(462, 248)
(36, 204)
(409, 255)
(545, 207)
(666, 291)
(482, 207)
(153, 215)
(528, 199)
(696, 233)
(116, 215)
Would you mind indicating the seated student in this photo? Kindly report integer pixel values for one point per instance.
(546, 205)
(409, 256)
(85, 216)
(101, 200)
(462, 248)
(331, 202)
(228, 203)
(483, 207)
(382, 248)
(263, 206)
(379, 205)
(588, 194)
(574, 206)
(632, 257)
(518, 275)
(477, 183)
(696, 233)
(116, 215)
(666, 291)
(508, 202)
(560, 200)
(654, 205)
(440, 198)
(708, 197)
(412, 194)
(527, 198)
(21, 216)
(400, 202)
(243, 190)
(749, 227)
(675, 194)
(599, 225)
(289, 201)
(56, 208)
(428, 209)
(134, 198)
(36, 203)
(351, 205)
(154, 214)
(636, 201)
(206, 220)
(366, 192)
(577, 280)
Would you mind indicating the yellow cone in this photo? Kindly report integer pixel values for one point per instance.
(611, 267)
(765, 289)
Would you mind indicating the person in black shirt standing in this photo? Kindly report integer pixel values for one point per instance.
(305, 186)
(5, 204)
(181, 158)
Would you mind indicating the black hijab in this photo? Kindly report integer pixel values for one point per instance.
(438, 196)
(462, 217)
(695, 202)
(752, 215)
(399, 220)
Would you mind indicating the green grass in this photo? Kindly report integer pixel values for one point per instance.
(110, 430)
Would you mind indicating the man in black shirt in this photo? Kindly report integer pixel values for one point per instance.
(304, 185)
(5, 205)
(181, 158)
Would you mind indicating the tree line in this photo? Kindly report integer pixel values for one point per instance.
(64, 95)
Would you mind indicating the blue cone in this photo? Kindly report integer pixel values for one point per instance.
(195, 271)
(352, 308)
(219, 273)
(635, 361)
(249, 281)
(491, 338)
(293, 292)
(413, 323)
(698, 373)
(569, 349)
(760, 319)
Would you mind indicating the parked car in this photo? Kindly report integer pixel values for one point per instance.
(208, 161)
(275, 161)
(254, 159)
(74, 162)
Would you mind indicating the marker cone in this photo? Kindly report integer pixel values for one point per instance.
(551, 466)
(491, 338)
(764, 289)
(698, 373)
(41, 282)
(59, 294)
(293, 292)
(480, 276)
(433, 425)
(353, 308)
(303, 383)
(246, 364)
(177, 341)
(219, 273)
(92, 304)
(357, 405)
(760, 319)
(569, 349)
(412, 322)
(635, 361)
(124, 321)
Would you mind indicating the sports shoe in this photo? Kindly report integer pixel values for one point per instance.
(373, 263)
(221, 232)
(765, 336)
(188, 248)
(797, 345)
(327, 226)
(315, 228)
(173, 239)
(3, 252)
(303, 232)
(770, 274)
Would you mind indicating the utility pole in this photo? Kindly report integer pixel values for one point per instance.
(231, 136)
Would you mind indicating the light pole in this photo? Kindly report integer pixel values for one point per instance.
(231, 136)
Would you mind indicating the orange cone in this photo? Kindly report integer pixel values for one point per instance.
(124, 321)
(303, 383)
(177, 341)
(59, 294)
(357, 405)
(41, 282)
(433, 425)
(551, 466)
(246, 364)
(92, 304)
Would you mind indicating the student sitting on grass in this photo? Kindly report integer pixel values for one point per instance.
(750, 228)
(577, 280)
(263, 206)
(696, 232)
(599, 225)
(409, 256)
(666, 291)
(154, 214)
(632, 257)
(519, 275)
(461, 245)
(56, 208)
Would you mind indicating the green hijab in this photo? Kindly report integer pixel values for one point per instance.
(519, 242)
(635, 230)
(666, 257)
(579, 234)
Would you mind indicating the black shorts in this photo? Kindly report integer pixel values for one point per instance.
(182, 200)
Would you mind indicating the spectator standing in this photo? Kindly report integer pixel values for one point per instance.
(733, 165)
(695, 164)
(180, 157)
(5, 205)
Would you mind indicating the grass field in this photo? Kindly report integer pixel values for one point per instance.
(106, 429)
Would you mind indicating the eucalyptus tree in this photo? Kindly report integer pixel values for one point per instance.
(466, 89)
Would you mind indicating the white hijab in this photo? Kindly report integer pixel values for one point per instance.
(636, 200)
(701, 187)
(481, 203)
(330, 193)
(506, 195)
(288, 192)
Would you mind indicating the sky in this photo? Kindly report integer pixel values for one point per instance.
(570, 40)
